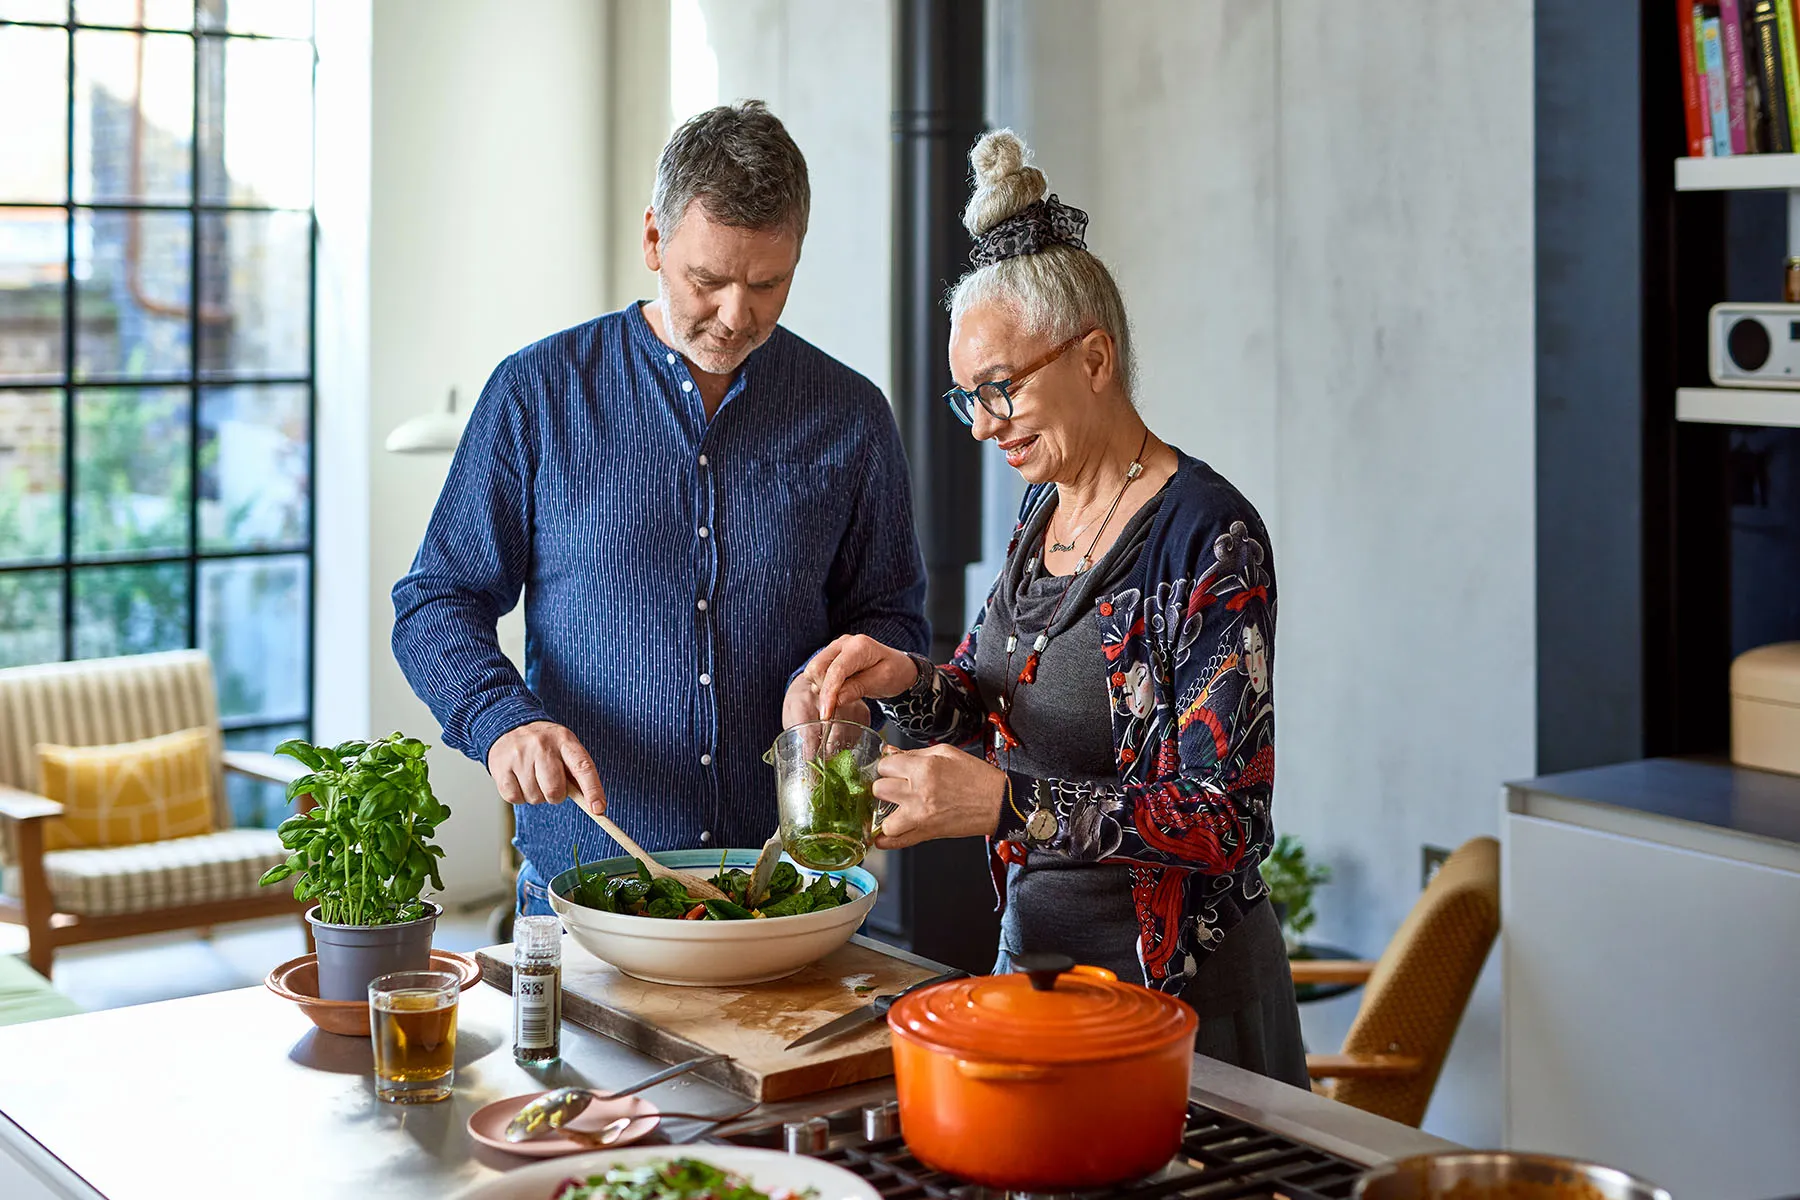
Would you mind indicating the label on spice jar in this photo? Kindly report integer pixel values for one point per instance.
(537, 1010)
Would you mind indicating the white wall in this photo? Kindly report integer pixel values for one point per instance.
(1321, 217)
(483, 184)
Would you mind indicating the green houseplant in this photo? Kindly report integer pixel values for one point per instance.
(364, 852)
(1291, 881)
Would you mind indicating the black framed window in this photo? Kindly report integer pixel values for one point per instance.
(157, 401)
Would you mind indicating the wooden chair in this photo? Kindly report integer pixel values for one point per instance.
(1416, 991)
(67, 897)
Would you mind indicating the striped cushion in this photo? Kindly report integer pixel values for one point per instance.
(130, 879)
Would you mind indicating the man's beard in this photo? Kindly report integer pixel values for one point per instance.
(693, 340)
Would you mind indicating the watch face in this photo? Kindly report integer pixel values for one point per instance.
(1041, 825)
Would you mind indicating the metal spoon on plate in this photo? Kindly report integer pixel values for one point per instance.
(760, 875)
(552, 1110)
(612, 1131)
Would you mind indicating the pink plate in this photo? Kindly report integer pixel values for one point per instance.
(487, 1125)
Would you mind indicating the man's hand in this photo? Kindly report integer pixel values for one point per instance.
(544, 763)
(801, 704)
(937, 792)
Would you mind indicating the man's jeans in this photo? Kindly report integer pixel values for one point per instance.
(533, 899)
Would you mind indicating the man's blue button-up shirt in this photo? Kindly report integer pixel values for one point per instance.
(676, 571)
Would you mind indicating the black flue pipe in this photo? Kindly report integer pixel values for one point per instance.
(940, 52)
(944, 893)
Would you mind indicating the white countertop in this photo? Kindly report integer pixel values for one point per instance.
(237, 1094)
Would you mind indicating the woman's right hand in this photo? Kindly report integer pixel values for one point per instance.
(857, 667)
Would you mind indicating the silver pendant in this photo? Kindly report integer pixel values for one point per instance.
(1041, 825)
(1083, 565)
(1012, 642)
(1043, 639)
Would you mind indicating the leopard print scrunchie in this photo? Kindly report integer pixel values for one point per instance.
(1032, 230)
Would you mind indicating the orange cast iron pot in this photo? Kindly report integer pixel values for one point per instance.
(1056, 1079)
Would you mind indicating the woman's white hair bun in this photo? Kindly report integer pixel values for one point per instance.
(1003, 183)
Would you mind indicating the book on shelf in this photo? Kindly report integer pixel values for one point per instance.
(1740, 76)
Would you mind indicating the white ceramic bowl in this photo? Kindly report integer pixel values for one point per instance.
(710, 953)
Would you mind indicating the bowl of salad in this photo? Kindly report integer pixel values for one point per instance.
(678, 1173)
(653, 930)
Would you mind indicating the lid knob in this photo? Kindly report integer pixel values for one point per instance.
(1044, 968)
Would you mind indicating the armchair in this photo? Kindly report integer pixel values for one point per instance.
(68, 897)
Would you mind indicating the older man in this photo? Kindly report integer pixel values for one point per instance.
(692, 499)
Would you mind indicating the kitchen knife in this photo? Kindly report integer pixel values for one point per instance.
(868, 1014)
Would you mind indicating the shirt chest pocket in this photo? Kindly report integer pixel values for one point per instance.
(783, 520)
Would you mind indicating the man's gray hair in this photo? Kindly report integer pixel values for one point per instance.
(738, 161)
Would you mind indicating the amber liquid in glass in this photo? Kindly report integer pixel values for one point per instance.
(415, 1045)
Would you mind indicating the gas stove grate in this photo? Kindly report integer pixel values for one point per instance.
(1221, 1158)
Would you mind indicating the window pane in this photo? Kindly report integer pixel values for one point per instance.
(134, 117)
(256, 131)
(253, 477)
(255, 272)
(33, 253)
(131, 471)
(271, 18)
(34, 78)
(132, 294)
(157, 14)
(30, 617)
(254, 804)
(34, 10)
(253, 623)
(31, 482)
(130, 610)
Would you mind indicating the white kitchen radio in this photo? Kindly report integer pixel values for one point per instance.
(1754, 345)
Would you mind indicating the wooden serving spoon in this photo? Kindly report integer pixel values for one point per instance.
(695, 885)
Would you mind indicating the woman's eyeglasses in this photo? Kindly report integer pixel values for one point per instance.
(996, 395)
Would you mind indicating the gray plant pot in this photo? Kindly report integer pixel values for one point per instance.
(351, 955)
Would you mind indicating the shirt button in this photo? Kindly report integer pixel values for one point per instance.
(700, 604)
(706, 760)
(703, 531)
(703, 460)
(687, 385)
(705, 679)
(670, 359)
(705, 836)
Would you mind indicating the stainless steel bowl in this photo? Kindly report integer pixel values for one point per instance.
(1432, 1176)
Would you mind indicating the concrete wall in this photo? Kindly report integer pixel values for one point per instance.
(1321, 216)
(826, 69)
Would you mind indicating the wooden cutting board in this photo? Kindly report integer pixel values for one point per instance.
(752, 1023)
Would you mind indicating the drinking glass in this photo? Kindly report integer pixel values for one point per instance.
(412, 1020)
(824, 775)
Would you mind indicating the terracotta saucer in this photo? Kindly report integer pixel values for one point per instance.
(298, 980)
(488, 1125)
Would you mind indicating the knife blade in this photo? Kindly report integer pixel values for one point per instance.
(868, 1014)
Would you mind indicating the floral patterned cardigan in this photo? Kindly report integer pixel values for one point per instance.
(1188, 644)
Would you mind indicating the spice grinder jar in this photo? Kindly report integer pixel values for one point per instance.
(1057, 1078)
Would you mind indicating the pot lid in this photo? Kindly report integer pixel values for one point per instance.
(1051, 1011)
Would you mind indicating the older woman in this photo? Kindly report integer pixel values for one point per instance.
(1118, 680)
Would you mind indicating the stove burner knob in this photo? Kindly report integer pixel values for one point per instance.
(811, 1136)
(881, 1121)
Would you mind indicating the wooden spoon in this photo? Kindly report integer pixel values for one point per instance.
(695, 885)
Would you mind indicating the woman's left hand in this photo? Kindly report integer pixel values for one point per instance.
(939, 792)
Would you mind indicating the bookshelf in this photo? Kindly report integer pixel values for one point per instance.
(1738, 173)
(1743, 173)
(1738, 406)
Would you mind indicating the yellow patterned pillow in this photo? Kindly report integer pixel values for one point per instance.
(146, 791)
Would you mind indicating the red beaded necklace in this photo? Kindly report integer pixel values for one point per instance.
(1004, 738)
